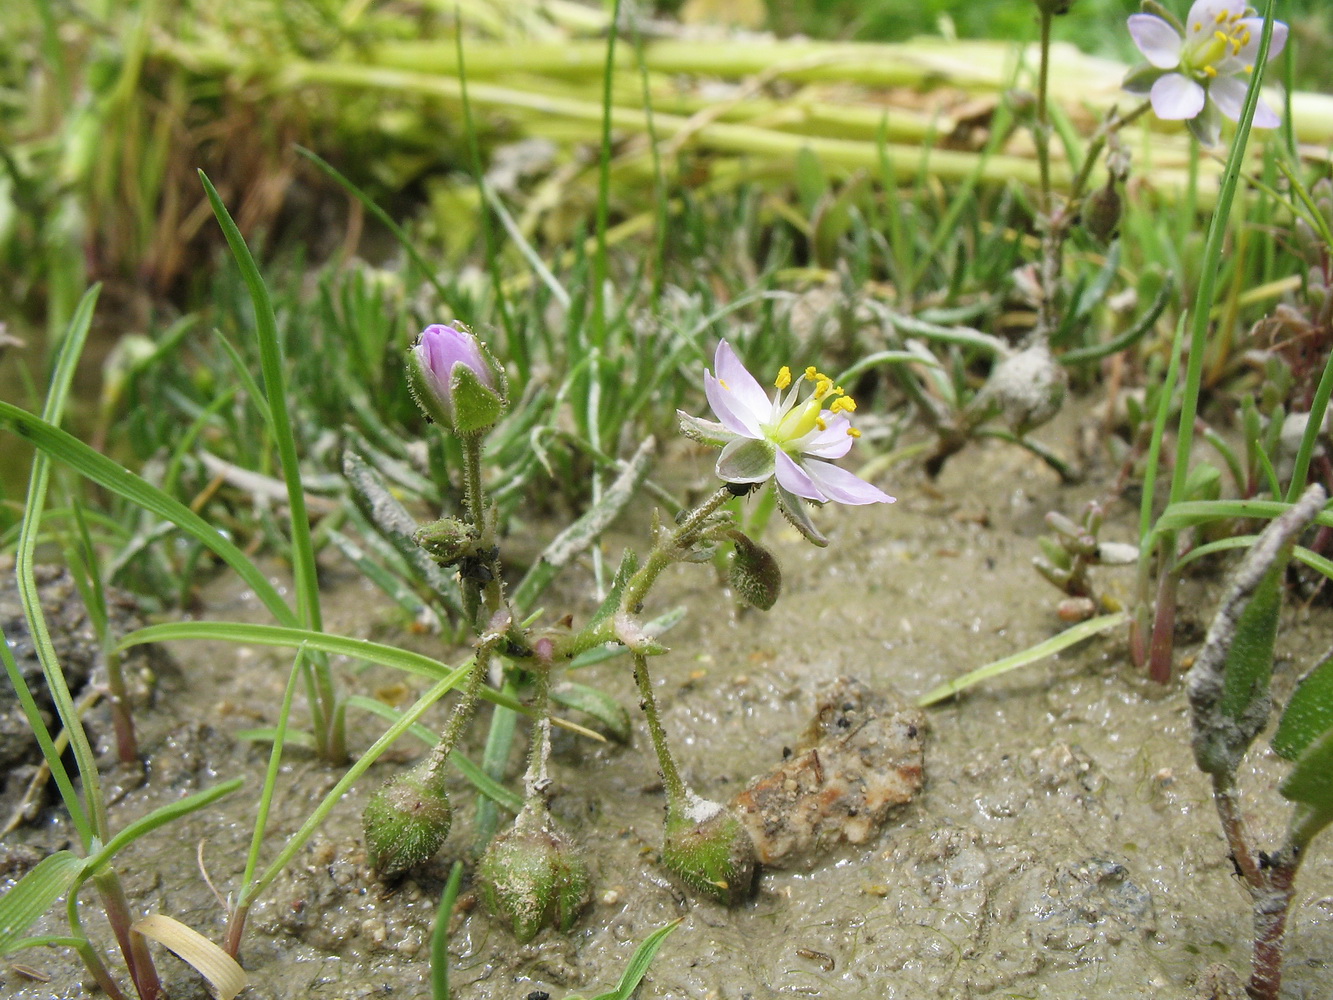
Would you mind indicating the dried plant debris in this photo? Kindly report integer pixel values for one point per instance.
(861, 757)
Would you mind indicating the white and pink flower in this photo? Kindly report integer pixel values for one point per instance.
(1203, 66)
(786, 437)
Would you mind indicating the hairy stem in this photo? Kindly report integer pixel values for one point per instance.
(675, 787)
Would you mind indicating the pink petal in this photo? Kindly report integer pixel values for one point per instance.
(1255, 26)
(843, 486)
(1175, 97)
(729, 409)
(1228, 93)
(1202, 19)
(1157, 40)
(751, 394)
(833, 442)
(793, 479)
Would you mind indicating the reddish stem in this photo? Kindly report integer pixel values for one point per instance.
(1163, 628)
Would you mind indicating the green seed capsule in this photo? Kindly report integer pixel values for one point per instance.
(712, 855)
(407, 820)
(533, 876)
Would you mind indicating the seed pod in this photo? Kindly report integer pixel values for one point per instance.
(447, 539)
(407, 820)
(533, 875)
(755, 575)
(1101, 214)
(708, 849)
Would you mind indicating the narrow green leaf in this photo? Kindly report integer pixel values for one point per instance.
(160, 817)
(598, 704)
(278, 635)
(439, 935)
(480, 780)
(1186, 514)
(267, 734)
(1249, 661)
(34, 894)
(638, 964)
(1309, 713)
(1311, 781)
(63, 447)
(1067, 638)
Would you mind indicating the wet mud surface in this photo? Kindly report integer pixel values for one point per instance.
(1063, 844)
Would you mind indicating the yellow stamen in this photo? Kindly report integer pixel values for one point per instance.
(841, 404)
(1250, 68)
(1210, 70)
(811, 373)
(1221, 16)
(823, 387)
(784, 377)
(852, 432)
(1221, 37)
(723, 383)
(821, 423)
(1198, 26)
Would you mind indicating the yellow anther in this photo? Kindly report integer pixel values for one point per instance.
(823, 387)
(842, 403)
(1249, 68)
(1198, 27)
(1221, 37)
(1221, 16)
(852, 432)
(723, 382)
(1210, 70)
(811, 373)
(784, 377)
(821, 423)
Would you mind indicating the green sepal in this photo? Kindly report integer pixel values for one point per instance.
(798, 517)
(1140, 78)
(708, 432)
(1308, 714)
(476, 405)
(1155, 8)
(419, 383)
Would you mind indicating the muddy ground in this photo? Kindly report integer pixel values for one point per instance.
(1063, 845)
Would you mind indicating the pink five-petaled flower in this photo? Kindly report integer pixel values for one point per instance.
(785, 436)
(1203, 66)
(454, 379)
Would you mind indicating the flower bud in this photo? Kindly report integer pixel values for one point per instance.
(533, 875)
(407, 820)
(448, 540)
(455, 380)
(707, 848)
(755, 575)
